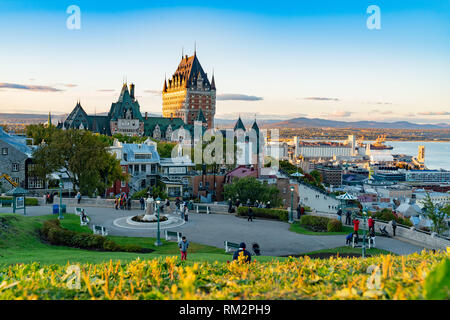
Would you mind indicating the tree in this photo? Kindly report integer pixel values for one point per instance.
(165, 149)
(252, 189)
(82, 156)
(289, 167)
(436, 213)
(40, 132)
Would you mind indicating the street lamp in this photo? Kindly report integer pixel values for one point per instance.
(60, 199)
(158, 238)
(292, 206)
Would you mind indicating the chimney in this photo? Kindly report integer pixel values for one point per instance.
(146, 115)
(132, 91)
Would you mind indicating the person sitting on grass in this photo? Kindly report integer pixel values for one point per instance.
(248, 256)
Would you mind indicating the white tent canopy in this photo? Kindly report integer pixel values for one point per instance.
(346, 196)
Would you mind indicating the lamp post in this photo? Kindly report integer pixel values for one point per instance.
(292, 206)
(158, 238)
(60, 199)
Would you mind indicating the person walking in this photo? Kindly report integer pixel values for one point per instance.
(250, 214)
(248, 202)
(371, 224)
(394, 226)
(121, 202)
(348, 218)
(230, 205)
(299, 211)
(237, 253)
(78, 197)
(268, 205)
(355, 226)
(339, 214)
(116, 203)
(142, 202)
(129, 203)
(183, 245)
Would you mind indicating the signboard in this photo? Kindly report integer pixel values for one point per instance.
(20, 202)
(177, 170)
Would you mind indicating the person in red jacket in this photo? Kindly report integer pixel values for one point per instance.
(355, 226)
(371, 224)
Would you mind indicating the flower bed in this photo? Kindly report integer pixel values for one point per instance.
(140, 219)
(417, 276)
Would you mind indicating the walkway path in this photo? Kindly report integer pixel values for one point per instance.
(274, 237)
(317, 200)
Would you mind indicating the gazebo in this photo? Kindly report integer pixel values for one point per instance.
(346, 197)
(18, 195)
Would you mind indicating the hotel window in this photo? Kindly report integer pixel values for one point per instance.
(4, 151)
(143, 167)
(15, 167)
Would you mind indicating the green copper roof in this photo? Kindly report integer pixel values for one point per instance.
(201, 117)
(239, 125)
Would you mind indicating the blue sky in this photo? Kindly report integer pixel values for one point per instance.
(292, 58)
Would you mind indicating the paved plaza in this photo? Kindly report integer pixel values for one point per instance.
(274, 237)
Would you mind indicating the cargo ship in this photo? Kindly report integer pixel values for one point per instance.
(379, 144)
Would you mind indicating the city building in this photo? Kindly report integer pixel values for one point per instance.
(176, 175)
(427, 176)
(331, 175)
(16, 162)
(124, 117)
(189, 93)
(140, 161)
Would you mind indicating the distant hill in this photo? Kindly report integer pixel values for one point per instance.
(317, 123)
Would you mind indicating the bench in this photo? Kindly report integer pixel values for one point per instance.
(78, 211)
(202, 209)
(174, 234)
(84, 223)
(229, 246)
(99, 230)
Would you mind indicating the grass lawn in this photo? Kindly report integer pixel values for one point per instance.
(344, 250)
(20, 243)
(296, 227)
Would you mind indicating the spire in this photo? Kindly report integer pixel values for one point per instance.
(195, 48)
(239, 125)
(213, 83)
(165, 84)
(201, 116)
(49, 123)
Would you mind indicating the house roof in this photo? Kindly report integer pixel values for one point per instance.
(17, 142)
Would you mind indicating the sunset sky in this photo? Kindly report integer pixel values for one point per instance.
(276, 59)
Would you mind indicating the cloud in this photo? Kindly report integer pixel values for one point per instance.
(381, 112)
(338, 114)
(238, 97)
(155, 92)
(70, 85)
(434, 113)
(28, 87)
(259, 116)
(384, 103)
(106, 90)
(322, 99)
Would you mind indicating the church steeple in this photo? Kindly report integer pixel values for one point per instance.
(49, 121)
(239, 125)
(213, 83)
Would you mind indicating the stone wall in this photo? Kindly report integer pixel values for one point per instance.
(429, 241)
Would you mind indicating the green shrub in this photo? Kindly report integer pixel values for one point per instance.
(276, 214)
(53, 232)
(315, 223)
(334, 225)
(141, 193)
(387, 215)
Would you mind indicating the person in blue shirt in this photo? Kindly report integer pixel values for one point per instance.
(348, 238)
(248, 256)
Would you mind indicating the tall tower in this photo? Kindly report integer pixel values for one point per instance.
(421, 154)
(189, 92)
